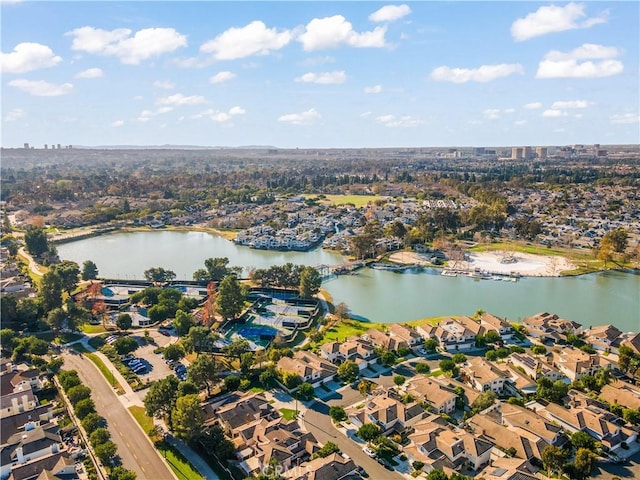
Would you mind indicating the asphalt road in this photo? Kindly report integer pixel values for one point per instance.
(318, 422)
(134, 447)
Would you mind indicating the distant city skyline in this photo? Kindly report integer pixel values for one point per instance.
(320, 74)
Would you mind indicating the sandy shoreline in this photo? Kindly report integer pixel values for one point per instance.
(525, 264)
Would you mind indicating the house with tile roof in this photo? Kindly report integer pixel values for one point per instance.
(385, 409)
(356, 349)
(575, 364)
(429, 389)
(333, 467)
(309, 366)
(483, 375)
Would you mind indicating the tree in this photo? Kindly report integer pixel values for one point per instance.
(365, 387)
(161, 397)
(89, 270)
(203, 372)
(553, 458)
(121, 473)
(199, 339)
(56, 318)
(448, 366)
(50, 292)
(341, 311)
(326, 450)
(581, 439)
(84, 407)
(538, 350)
(268, 377)
(237, 348)
(187, 418)
(306, 391)
(106, 452)
(124, 345)
(231, 383)
(92, 421)
(491, 355)
(310, 281)
(68, 272)
(173, 351)
(399, 379)
(35, 240)
(430, 344)
(436, 474)
(99, 436)
(337, 413)
(368, 431)
(124, 321)
(388, 358)
(584, 462)
(459, 358)
(159, 274)
(216, 269)
(182, 323)
(68, 379)
(492, 337)
(617, 240)
(348, 371)
(246, 361)
(485, 400)
(77, 393)
(230, 298)
(631, 415)
(422, 367)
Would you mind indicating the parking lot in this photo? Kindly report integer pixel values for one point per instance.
(156, 366)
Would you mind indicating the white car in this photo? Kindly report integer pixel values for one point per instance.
(369, 452)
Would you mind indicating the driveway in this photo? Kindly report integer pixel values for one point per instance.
(332, 387)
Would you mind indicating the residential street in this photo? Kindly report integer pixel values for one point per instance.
(317, 421)
(134, 447)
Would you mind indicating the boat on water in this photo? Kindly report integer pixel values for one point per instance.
(386, 266)
(448, 273)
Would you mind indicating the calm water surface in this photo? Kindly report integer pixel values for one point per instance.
(380, 296)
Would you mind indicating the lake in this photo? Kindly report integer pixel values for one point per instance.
(377, 295)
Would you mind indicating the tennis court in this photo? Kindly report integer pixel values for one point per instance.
(257, 332)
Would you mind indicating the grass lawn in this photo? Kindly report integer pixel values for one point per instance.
(106, 373)
(429, 320)
(87, 328)
(178, 463)
(357, 200)
(78, 347)
(141, 417)
(288, 413)
(346, 328)
(256, 390)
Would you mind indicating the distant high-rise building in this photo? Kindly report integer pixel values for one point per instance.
(46, 147)
(59, 146)
(517, 153)
(541, 152)
(26, 146)
(528, 153)
(478, 151)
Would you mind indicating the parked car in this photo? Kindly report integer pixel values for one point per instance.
(164, 332)
(362, 472)
(369, 452)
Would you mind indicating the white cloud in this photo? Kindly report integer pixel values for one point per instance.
(40, 88)
(484, 73)
(219, 116)
(373, 89)
(14, 115)
(27, 57)
(520, 123)
(164, 84)
(117, 123)
(331, 32)
(491, 113)
(552, 18)
(390, 13)
(509, 110)
(131, 50)
(532, 105)
(625, 118)
(324, 78)
(90, 73)
(554, 113)
(578, 63)
(252, 39)
(178, 99)
(147, 115)
(403, 122)
(221, 77)
(365, 114)
(303, 118)
(570, 104)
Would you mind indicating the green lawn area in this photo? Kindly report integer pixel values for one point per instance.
(106, 373)
(78, 347)
(357, 200)
(288, 413)
(141, 417)
(429, 320)
(346, 328)
(178, 463)
(88, 329)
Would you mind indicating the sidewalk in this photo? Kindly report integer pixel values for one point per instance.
(195, 459)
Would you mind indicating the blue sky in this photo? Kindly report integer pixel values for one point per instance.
(320, 74)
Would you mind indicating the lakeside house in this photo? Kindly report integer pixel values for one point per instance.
(546, 326)
(604, 338)
(575, 364)
(384, 340)
(452, 335)
(356, 349)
